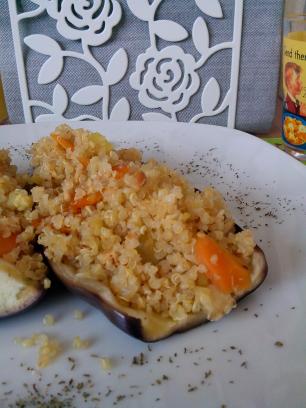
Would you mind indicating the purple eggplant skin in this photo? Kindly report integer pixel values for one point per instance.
(123, 321)
(25, 304)
(133, 325)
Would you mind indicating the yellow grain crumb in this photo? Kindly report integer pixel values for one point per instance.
(47, 283)
(49, 348)
(47, 352)
(79, 344)
(78, 315)
(25, 342)
(48, 320)
(28, 343)
(40, 338)
(105, 363)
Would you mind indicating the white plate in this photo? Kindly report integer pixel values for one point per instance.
(266, 191)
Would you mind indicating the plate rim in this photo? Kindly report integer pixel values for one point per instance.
(223, 129)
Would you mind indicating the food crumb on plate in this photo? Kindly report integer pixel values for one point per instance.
(78, 314)
(79, 344)
(105, 363)
(48, 320)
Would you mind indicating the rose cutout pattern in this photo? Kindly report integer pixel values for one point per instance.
(165, 79)
(91, 22)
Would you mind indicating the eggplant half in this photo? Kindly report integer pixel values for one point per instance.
(144, 326)
(16, 296)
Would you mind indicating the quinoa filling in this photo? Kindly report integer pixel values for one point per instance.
(139, 228)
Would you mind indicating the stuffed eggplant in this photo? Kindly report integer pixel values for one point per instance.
(22, 270)
(135, 238)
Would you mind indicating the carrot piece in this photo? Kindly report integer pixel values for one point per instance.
(84, 160)
(64, 143)
(90, 199)
(224, 269)
(65, 230)
(36, 223)
(121, 170)
(7, 244)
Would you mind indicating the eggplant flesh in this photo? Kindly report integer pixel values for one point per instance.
(16, 296)
(146, 327)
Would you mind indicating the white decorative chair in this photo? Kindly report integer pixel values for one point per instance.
(165, 60)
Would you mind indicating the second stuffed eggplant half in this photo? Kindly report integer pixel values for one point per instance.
(22, 270)
(136, 239)
(16, 294)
